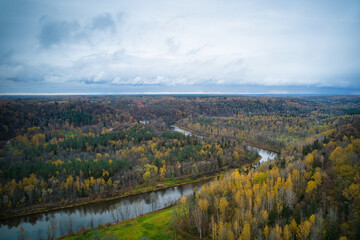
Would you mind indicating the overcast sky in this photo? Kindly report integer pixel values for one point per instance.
(180, 46)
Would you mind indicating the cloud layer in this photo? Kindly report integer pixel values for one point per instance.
(180, 46)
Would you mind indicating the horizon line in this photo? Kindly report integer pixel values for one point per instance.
(170, 93)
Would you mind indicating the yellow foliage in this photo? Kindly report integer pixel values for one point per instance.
(33, 129)
(146, 177)
(312, 219)
(289, 184)
(109, 182)
(266, 231)
(311, 186)
(286, 232)
(203, 204)
(309, 159)
(58, 162)
(337, 154)
(69, 181)
(303, 230)
(277, 232)
(246, 231)
(317, 177)
(183, 199)
(38, 139)
(223, 204)
(162, 172)
(151, 168)
(105, 173)
(265, 214)
(293, 226)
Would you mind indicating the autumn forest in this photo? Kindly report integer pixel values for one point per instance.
(67, 151)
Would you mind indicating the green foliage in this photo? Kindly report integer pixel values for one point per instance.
(260, 178)
(173, 135)
(75, 117)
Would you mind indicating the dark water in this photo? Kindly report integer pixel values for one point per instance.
(60, 222)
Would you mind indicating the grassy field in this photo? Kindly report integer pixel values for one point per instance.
(156, 225)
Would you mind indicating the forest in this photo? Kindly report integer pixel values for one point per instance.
(63, 150)
(311, 191)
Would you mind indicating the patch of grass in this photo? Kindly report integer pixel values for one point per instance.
(169, 182)
(152, 226)
(148, 226)
(172, 181)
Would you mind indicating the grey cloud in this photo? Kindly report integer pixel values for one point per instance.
(15, 79)
(55, 32)
(94, 82)
(103, 22)
(6, 57)
(139, 43)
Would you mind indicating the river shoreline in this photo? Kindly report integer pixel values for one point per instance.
(160, 186)
(117, 223)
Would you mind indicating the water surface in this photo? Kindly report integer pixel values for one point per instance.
(266, 155)
(88, 216)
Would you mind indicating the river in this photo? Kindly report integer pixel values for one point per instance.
(265, 154)
(88, 216)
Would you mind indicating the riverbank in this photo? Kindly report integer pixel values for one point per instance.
(134, 224)
(154, 225)
(263, 146)
(169, 183)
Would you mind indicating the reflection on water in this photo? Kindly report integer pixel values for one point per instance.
(87, 216)
(183, 131)
(177, 129)
(265, 154)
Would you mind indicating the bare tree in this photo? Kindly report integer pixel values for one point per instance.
(198, 219)
(318, 227)
(289, 198)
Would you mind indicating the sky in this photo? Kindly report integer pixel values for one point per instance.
(196, 46)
